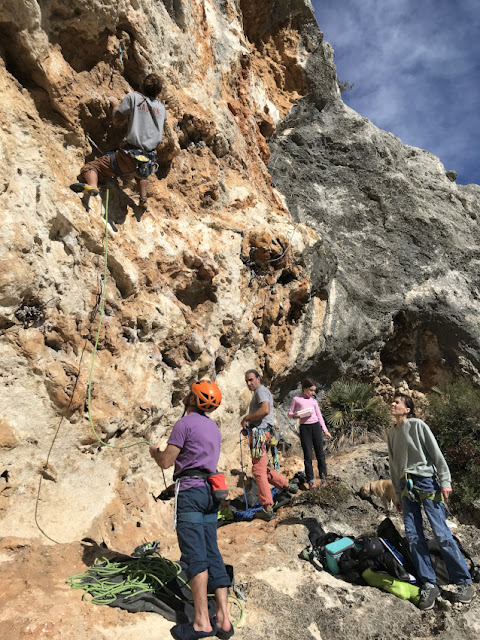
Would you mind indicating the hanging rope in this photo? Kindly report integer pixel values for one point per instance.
(100, 304)
(102, 313)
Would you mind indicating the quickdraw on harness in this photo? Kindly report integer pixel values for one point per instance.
(258, 441)
(415, 495)
(274, 439)
(146, 161)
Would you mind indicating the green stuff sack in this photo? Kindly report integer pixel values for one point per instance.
(402, 590)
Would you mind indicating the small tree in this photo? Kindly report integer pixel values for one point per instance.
(454, 416)
(352, 409)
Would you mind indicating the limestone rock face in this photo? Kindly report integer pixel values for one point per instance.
(402, 240)
(212, 280)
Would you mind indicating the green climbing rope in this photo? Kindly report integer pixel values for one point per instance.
(102, 313)
(151, 574)
(140, 575)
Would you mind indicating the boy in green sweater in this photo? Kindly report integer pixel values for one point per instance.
(421, 477)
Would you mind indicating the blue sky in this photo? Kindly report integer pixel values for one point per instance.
(415, 65)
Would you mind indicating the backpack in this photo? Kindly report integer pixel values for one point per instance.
(370, 553)
(386, 529)
(440, 567)
(315, 551)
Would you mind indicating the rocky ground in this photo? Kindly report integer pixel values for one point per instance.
(286, 597)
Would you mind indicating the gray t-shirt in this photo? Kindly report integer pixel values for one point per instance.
(262, 394)
(146, 118)
(412, 448)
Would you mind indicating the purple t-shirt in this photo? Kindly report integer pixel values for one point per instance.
(199, 440)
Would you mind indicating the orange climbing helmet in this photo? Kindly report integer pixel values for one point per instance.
(208, 395)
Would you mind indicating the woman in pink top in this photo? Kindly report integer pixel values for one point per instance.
(306, 408)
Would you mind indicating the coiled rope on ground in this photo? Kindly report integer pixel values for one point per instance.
(150, 574)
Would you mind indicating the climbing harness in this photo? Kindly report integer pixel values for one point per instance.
(215, 483)
(415, 495)
(146, 161)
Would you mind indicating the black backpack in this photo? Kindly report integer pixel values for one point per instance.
(440, 567)
(386, 529)
(369, 553)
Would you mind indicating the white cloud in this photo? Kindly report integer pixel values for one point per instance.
(415, 66)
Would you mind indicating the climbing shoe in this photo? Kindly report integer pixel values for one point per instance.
(312, 484)
(465, 593)
(265, 515)
(143, 204)
(283, 498)
(428, 594)
(80, 187)
(292, 487)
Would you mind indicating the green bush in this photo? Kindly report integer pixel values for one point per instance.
(454, 416)
(352, 409)
(333, 494)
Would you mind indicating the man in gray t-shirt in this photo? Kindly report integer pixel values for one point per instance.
(261, 395)
(146, 118)
(258, 424)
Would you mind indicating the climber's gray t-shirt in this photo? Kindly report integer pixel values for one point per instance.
(262, 394)
(146, 118)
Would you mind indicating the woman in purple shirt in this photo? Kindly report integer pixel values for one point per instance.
(306, 408)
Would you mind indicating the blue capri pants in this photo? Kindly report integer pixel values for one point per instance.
(197, 536)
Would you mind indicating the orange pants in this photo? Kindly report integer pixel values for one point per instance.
(264, 477)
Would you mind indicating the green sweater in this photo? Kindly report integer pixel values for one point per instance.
(412, 448)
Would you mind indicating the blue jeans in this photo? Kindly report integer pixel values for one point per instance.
(412, 518)
(197, 536)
